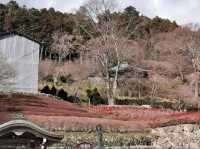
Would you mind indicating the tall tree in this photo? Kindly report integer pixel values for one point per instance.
(194, 53)
(66, 45)
(108, 46)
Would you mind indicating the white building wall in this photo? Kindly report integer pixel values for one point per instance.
(23, 55)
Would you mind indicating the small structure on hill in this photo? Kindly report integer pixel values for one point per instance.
(22, 134)
(22, 54)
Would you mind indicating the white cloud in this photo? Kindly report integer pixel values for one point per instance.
(183, 11)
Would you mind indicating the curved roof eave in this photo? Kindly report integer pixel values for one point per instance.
(23, 123)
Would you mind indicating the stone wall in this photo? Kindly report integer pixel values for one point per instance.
(181, 136)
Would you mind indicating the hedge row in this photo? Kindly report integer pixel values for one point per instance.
(175, 105)
(60, 93)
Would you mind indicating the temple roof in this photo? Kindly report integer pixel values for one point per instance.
(27, 126)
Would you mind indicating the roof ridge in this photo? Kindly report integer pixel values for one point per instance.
(12, 33)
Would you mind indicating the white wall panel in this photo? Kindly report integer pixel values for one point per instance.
(23, 55)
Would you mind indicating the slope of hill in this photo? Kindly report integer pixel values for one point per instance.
(59, 115)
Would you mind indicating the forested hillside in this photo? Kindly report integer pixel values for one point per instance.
(118, 53)
(43, 24)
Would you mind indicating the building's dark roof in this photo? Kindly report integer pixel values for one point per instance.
(13, 33)
(29, 127)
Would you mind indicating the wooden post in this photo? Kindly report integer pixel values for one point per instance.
(99, 132)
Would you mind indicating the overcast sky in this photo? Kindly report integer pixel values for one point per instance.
(182, 11)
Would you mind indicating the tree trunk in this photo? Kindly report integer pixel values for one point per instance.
(45, 54)
(109, 94)
(115, 80)
(50, 56)
(60, 59)
(153, 91)
(55, 80)
(139, 91)
(114, 90)
(130, 93)
(181, 74)
(196, 89)
(111, 101)
(139, 86)
(81, 59)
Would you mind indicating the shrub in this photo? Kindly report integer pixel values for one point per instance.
(46, 90)
(66, 79)
(53, 91)
(73, 99)
(191, 107)
(95, 97)
(156, 103)
(89, 93)
(62, 94)
(159, 103)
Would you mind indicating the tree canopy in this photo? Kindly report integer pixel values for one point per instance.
(44, 23)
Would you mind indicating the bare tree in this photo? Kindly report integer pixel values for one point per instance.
(62, 44)
(108, 45)
(192, 47)
(195, 58)
(65, 44)
(110, 53)
(7, 74)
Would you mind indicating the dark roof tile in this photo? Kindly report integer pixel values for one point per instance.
(8, 34)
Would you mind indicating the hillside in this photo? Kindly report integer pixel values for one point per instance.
(137, 77)
(43, 24)
(59, 115)
(156, 52)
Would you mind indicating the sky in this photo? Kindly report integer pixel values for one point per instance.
(182, 11)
